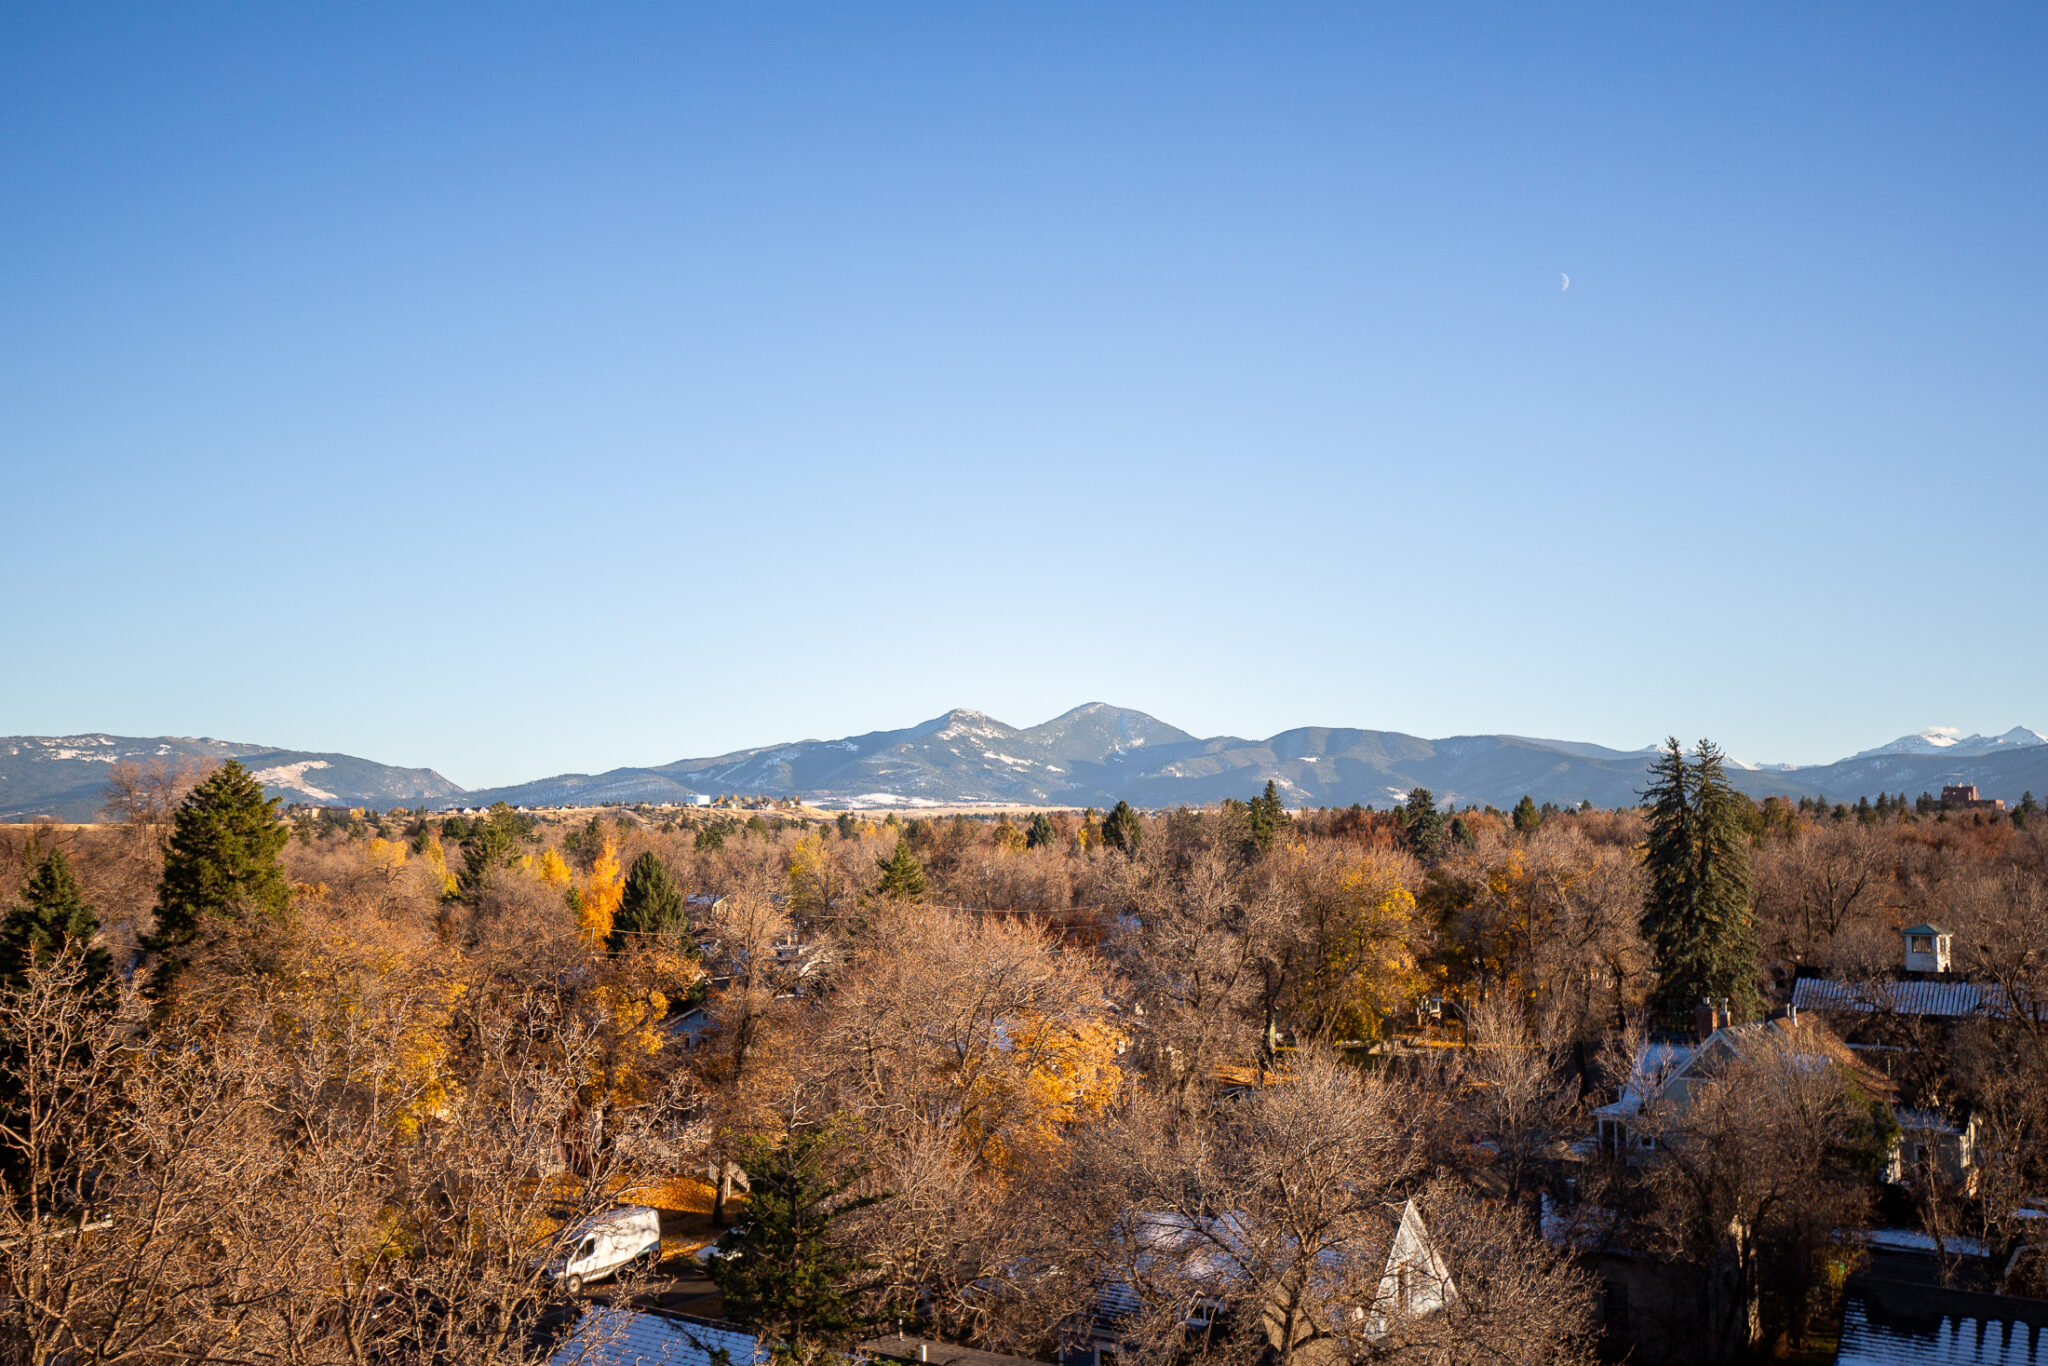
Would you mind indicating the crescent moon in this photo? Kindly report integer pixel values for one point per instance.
(1567, 282)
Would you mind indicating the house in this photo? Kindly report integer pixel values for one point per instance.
(1933, 1146)
(1666, 1078)
(692, 1027)
(606, 1336)
(1922, 986)
(1413, 1281)
(1963, 797)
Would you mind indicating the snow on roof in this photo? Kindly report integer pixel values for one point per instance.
(619, 1337)
(1913, 1240)
(1655, 1064)
(1886, 1324)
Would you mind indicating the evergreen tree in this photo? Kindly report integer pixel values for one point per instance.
(1041, 834)
(51, 918)
(902, 874)
(1461, 834)
(1425, 825)
(1121, 830)
(1527, 817)
(1697, 917)
(648, 904)
(792, 1278)
(1267, 817)
(492, 844)
(221, 865)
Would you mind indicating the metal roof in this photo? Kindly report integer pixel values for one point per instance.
(1955, 999)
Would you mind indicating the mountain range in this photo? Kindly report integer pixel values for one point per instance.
(1093, 755)
(64, 777)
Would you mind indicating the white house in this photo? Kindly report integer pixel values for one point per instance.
(1413, 1281)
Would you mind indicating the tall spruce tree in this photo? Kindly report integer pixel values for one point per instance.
(51, 919)
(793, 1278)
(649, 904)
(1042, 833)
(1697, 915)
(221, 865)
(1527, 817)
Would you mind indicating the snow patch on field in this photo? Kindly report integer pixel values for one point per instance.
(293, 776)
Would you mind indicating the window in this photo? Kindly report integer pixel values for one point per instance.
(1922, 944)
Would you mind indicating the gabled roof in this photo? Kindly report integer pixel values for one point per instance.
(1810, 1045)
(1654, 1064)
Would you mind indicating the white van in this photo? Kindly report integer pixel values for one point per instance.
(607, 1243)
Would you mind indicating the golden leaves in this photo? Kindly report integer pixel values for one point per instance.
(603, 888)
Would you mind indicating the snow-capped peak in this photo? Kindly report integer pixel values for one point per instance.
(1951, 740)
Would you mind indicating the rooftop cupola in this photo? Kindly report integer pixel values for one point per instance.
(1927, 948)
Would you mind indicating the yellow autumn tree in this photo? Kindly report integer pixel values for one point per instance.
(1009, 838)
(387, 856)
(1360, 921)
(1050, 1075)
(430, 850)
(553, 870)
(817, 881)
(598, 899)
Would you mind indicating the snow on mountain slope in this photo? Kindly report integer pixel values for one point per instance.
(1951, 740)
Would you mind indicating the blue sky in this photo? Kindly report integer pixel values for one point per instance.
(515, 389)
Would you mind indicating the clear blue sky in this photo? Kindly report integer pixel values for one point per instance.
(516, 389)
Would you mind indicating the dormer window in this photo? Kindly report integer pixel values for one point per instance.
(1923, 943)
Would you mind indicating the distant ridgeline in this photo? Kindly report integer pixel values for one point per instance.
(1094, 755)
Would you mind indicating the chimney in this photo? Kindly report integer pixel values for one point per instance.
(1704, 1021)
(1727, 1015)
(923, 1352)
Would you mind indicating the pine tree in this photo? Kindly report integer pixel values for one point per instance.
(1041, 834)
(221, 865)
(1697, 917)
(1121, 830)
(648, 905)
(1425, 825)
(1527, 817)
(902, 874)
(51, 918)
(791, 1277)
